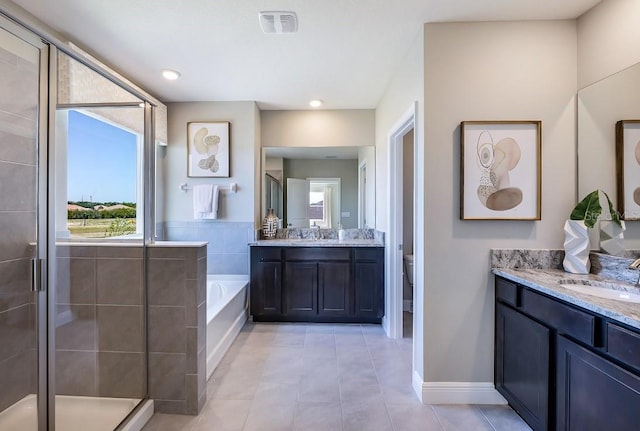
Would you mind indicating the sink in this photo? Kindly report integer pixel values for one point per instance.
(603, 289)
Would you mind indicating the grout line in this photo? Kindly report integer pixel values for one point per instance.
(435, 413)
(487, 419)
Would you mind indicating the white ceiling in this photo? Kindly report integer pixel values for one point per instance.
(344, 52)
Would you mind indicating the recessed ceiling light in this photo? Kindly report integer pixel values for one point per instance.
(170, 74)
(316, 103)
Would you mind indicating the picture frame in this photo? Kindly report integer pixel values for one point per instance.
(628, 169)
(500, 170)
(208, 154)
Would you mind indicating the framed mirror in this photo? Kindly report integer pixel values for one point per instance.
(329, 187)
(600, 106)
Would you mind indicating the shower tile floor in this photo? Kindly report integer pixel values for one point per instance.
(290, 377)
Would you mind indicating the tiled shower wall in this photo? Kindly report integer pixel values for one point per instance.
(227, 251)
(18, 126)
(100, 328)
(100, 340)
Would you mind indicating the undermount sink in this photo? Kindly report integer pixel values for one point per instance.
(603, 289)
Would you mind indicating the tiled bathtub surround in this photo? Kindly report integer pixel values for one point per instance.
(227, 252)
(177, 279)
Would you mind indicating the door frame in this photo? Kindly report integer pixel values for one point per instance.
(395, 207)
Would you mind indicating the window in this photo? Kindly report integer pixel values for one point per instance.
(104, 175)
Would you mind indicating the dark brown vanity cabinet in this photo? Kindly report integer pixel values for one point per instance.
(562, 367)
(318, 284)
(266, 282)
(522, 365)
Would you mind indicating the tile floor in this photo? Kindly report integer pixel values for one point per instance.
(290, 377)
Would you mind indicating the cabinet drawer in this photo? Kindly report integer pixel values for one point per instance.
(370, 254)
(317, 253)
(269, 254)
(566, 319)
(623, 344)
(507, 291)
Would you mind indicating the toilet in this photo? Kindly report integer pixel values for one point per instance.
(408, 273)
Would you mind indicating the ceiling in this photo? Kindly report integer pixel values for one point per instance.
(345, 51)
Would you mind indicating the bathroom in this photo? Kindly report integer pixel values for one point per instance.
(561, 61)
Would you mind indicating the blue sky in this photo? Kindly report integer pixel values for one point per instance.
(101, 161)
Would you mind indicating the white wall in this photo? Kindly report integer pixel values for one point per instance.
(487, 71)
(404, 91)
(608, 39)
(245, 159)
(324, 128)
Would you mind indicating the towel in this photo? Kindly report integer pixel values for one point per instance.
(205, 201)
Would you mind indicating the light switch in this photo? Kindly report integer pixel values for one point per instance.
(346, 214)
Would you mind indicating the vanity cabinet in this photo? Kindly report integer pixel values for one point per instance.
(562, 367)
(318, 284)
(266, 281)
(522, 365)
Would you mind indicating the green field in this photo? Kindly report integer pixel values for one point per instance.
(100, 228)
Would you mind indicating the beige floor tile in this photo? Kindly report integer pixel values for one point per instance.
(223, 415)
(368, 413)
(503, 418)
(312, 416)
(415, 417)
(462, 418)
(270, 415)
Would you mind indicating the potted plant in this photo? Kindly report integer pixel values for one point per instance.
(576, 231)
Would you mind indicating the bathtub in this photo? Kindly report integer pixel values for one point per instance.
(227, 310)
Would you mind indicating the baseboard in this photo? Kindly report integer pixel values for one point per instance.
(457, 392)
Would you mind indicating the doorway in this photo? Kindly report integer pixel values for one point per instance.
(406, 242)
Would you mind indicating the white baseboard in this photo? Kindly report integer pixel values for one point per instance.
(457, 392)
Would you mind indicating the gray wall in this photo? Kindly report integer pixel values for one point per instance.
(346, 170)
(497, 71)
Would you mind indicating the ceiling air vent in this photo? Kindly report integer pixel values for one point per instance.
(278, 22)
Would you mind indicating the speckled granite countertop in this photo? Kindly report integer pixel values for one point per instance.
(291, 242)
(546, 281)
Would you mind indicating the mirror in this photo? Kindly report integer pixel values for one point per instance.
(600, 106)
(327, 187)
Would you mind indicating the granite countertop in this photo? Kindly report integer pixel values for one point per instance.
(546, 281)
(294, 242)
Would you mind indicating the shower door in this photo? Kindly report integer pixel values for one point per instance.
(23, 65)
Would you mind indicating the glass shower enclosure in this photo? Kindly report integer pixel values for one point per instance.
(76, 192)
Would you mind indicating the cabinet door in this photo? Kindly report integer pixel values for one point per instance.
(334, 281)
(301, 291)
(369, 292)
(522, 365)
(593, 393)
(266, 294)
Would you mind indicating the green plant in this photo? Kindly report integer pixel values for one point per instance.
(120, 226)
(589, 209)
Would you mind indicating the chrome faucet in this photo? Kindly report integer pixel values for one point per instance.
(635, 265)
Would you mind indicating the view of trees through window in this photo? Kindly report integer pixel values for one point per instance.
(102, 170)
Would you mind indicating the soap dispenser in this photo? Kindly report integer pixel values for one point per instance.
(340, 232)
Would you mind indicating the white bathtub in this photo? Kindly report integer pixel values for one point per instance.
(227, 310)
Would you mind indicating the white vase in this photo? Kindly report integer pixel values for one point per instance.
(576, 247)
(612, 237)
(270, 225)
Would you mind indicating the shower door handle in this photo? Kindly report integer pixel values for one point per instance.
(36, 275)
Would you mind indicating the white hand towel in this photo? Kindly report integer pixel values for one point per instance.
(205, 201)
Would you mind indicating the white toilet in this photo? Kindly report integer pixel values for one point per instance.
(408, 273)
